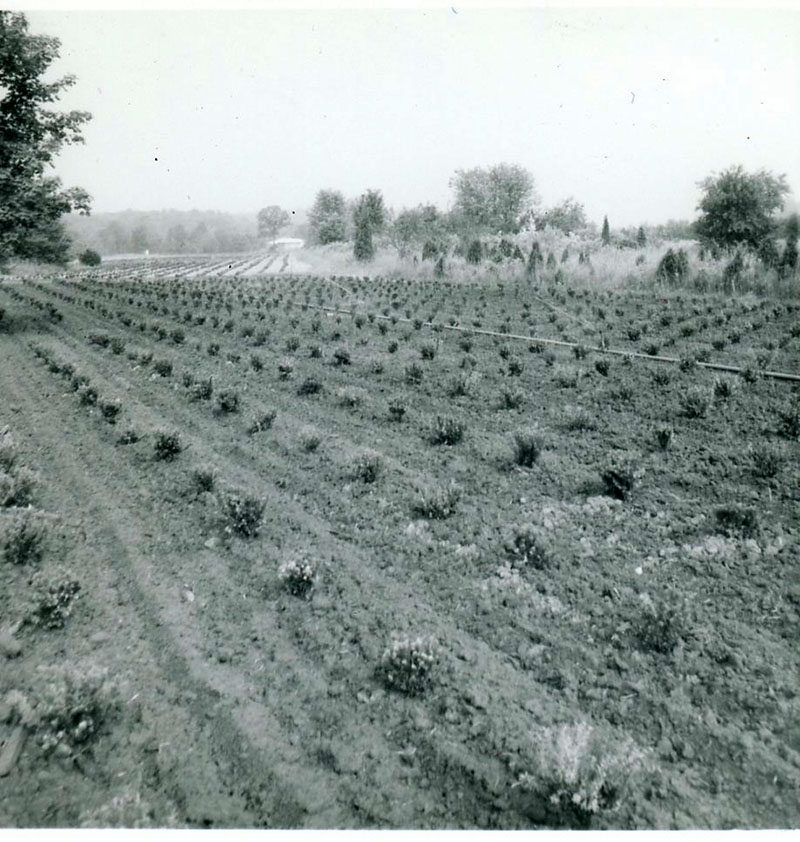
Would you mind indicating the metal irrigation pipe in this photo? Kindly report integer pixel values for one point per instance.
(775, 375)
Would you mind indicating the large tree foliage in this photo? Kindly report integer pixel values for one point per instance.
(327, 219)
(492, 200)
(416, 226)
(32, 201)
(369, 217)
(567, 217)
(271, 221)
(737, 207)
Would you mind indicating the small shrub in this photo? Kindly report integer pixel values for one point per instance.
(515, 367)
(723, 388)
(110, 409)
(580, 420)
(662, 623)
(167, 446)
(310, 440)
(789, 423)
(397, 409)
(204, 479)
(102, 340)
(661, 377)
(695, 402)
(525, 548)
(341, 356)
(528, 446)
(228, 401)
(23, 538)
(766, 463)
(263, 421)
(87, 395)
(602, 367)
(446, 430)
(117, 345)
(297, 577)
(8, 453)
(407, 665)
(243, 514)
(413, 374)
(201, 390)
(687, 364)
(579, 771)
(285, 368)
(367, 466)
(163, 368)
(511, 398)
(737, 521)
(178, 336)
(256, 363)
(392, 347)
(54, 594)
(17, 488)
(664, 436)
(622, 475)
(437, 503)
(351, 397)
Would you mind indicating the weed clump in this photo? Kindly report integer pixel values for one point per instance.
(367, 466)
(766, 463)
(17, 488)
(397, 409)
(310, 386)
(297, 577)
(662, 623)
(163, 368)
(525, 548)
(737, 521)
(528, 446)
(55, 593)
(23, 538)
(228, 401)
(695, 402)
(446, 430)
(407, 665)
(110, 408)
(622, 475)
(263, 421)
(167, 446)
(243, 514)
(580, 771)
(437, 503)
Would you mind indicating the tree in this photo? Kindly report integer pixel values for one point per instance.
(788, 261)
(567, 217)
(641, 237)
(271, 220)
(327, 219)
(90, 258)
(416, 225)
(369, 217)
(493, 200)
(32, 202)
(605, 236)
(737, 207)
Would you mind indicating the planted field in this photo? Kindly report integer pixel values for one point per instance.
(332, 552)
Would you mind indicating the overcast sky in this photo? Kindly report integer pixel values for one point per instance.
(624, 110)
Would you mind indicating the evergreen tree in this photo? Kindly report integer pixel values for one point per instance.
(606, 234)
(641, 237)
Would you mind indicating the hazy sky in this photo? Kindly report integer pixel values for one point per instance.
(624, 110)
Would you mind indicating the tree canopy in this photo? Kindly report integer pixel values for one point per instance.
(32, 201)
(327, 219)
(271, 220)
(567, 217)
(737, 207)
(492, 200)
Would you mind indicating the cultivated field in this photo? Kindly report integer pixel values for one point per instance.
(300, 551)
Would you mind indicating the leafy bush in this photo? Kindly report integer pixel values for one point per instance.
(735, 521)
(297, 576)
(622, 475)
(663, 622)
(367, 466)
(310, 440)
(243, 513)
(23, 538)
(201, 390)
(413, 374)
(580, 770)
(228, 401)
(528, 446)
(341, 356)
(285, 368)
(90, 257)
(130, 436)
(163, 368)
(766, 463)
(204, 478)
(673, 268)
(511, 398)
(789, 423)
(407, 665)
(525, 547)
(87, 395)
(397, 409)
(351, 397)
(263, 421)
(99, 338)
(446, 430)
(117, 345)
(54, 592)
(695, 402)
(427, 351)
(437, 503)
(110, 409)
(664, 436)
(167, 445)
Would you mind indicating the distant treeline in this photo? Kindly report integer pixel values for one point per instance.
(163, 232)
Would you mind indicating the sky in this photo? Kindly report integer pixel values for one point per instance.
(624, 110)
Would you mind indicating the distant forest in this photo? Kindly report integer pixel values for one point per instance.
(163, 232)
